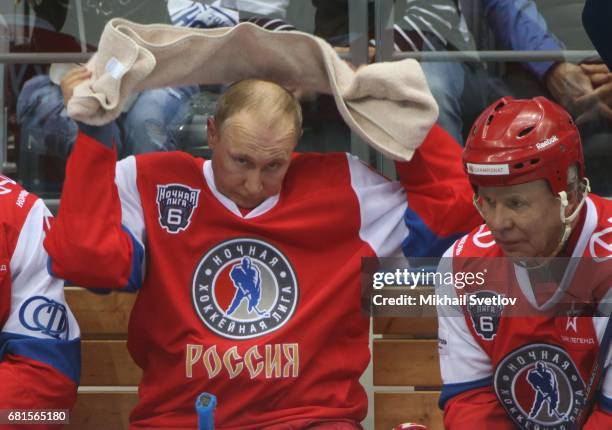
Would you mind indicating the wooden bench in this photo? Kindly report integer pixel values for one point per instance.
(109, 376)
(404, 352)
(406, 372)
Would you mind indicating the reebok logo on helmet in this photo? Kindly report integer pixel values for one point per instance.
(547, 142)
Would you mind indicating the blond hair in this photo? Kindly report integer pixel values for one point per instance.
(270, 100)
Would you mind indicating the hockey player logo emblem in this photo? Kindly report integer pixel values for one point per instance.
(175, 205)
(244, 288)
(540, 387)
(246, 278)
(544, 383)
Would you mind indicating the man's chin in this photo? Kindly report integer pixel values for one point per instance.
(247, 204)
(516, 251)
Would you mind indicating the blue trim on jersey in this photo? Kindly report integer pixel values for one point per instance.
(451, 390)
(103, 134)
(135, 280)
(421, 241)
(605, 403)
(63, 355)
(49, 269)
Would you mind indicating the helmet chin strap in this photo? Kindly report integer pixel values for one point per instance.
(475, 202)
(566, 225)
(567, 221)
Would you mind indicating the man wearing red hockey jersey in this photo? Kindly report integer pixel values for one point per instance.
(40, 353)
(520, 366)
(247, 265)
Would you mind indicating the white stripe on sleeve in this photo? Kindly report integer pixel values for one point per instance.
(382, 204)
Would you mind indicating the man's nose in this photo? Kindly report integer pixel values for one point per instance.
(253, 183)
(498, 218)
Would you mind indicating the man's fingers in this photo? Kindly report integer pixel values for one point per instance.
(75, 75)
(77, 71)
(586, 102)
(71, 80)
(592, 69)
(604, 93)
(583, 104)
(79, 75)
(599, 79)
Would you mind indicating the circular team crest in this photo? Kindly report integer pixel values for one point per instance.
(244, 288)
(540, 387)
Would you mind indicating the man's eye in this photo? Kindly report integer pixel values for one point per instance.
(516, 204)
(240, 160)
(274, 166)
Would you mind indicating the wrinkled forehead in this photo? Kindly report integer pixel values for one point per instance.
(534, 189)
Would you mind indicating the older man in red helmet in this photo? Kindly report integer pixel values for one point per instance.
(540, 369)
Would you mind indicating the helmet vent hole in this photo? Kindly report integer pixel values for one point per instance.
(519, 165)
(499, 106)
(534, 161)
(525, 131)
(490, 119)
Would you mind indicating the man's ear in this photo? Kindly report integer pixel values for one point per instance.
(211, 130)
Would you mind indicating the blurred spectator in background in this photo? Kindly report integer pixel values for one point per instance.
(150, 120)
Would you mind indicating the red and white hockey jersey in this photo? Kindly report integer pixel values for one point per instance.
(262, 310)
(507, 366)
(39, 338)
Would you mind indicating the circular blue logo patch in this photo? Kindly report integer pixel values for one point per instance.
(244, 288)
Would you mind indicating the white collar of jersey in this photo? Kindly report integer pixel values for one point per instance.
(522, 277)
(264, 207)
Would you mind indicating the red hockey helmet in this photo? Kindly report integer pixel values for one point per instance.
(517, 141)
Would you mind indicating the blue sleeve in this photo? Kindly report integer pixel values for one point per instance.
(103, 134)
(518, 25)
